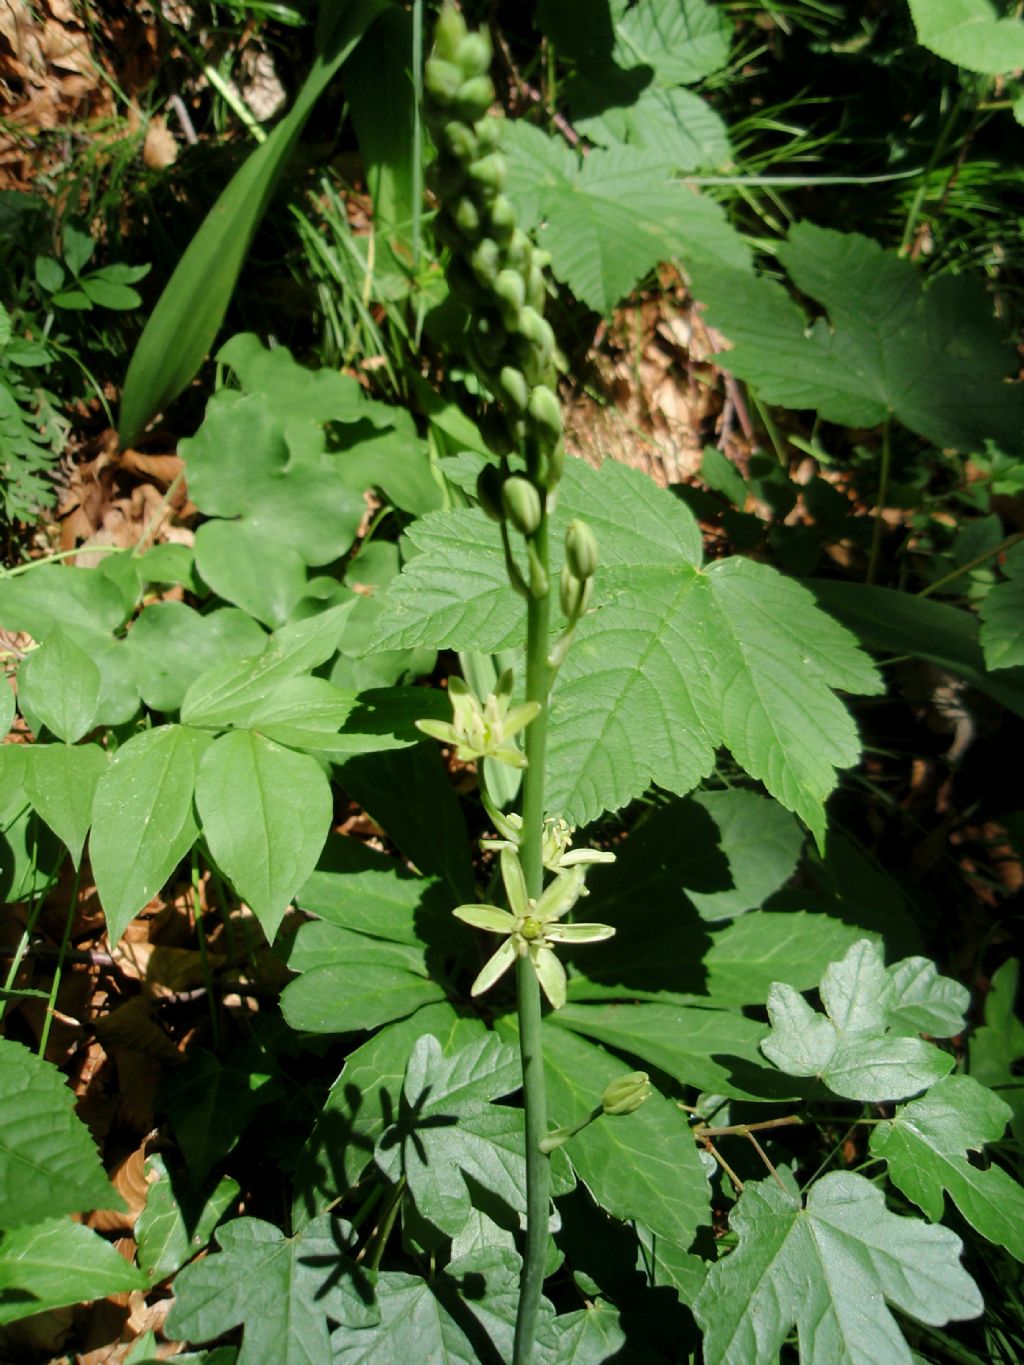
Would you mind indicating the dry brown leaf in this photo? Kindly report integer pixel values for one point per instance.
(160, 148)
(129, 1179)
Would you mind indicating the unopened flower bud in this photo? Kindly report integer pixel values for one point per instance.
(522, 504)
(626, 1093)
(474, 54)
(488, 172)
(513, 389)
(461, 140)
(443, 80)
(573, 594)
(484, 261)
(450, 32)
(473, 98)
(581, 549)
(545, 414)
(510, 291)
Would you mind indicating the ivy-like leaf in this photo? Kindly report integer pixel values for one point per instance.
(861, 1049)
(280, 1290)
(48, 1164)
(926, 1145)
(446, 1127)
(828, 1269)
(170, 1231)
(1002, 613)
(970, 33)
(673, 662)
(265, 811)
(929, 354)
(142, 821)
(56, 1263)
(61, 780)
(999, 1043)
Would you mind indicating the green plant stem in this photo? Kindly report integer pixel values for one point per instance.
(972, 564)
(58, 970)
(883, 493)
(538, 1172)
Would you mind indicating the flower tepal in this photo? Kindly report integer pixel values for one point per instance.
(483, 729)
(530, 927)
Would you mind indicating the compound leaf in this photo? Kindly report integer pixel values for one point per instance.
(48, 1163)
(926, 1145)
(860, 1047)
(828, 1268)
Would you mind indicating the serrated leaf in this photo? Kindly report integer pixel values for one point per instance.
(170, 1231)
(280, 1290)
(60, 780)
(970, 33)
(58, 1262)
(171, 645)
(60, 686)
(819, 1268)
(927, 353)
(1002, 613)
(681, 40)
(48, 1163)
(142, 821)
(642, 1165)
(266, 812)
(857, 1048)
(608, 219)
(926, 1144)
(363, 1102)
(676, 126)
(446, 1128)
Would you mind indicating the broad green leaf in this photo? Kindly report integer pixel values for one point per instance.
(171, 645)
(970, 33)
(142, 821)
(1002, 612)
(240, 564)
(828, 1270)
(319, 944)
(355, 887)
(265, 812)
(929, 354)
(642, 1165)
(860, 1047)
(674, 662)
(364, 1100)
(280, 1290)
(926, 1145)
(170, 1231)
(793, 946)
(591, 1333)
(681, 40)
(48, 1163)
(446, 1128)
(182, 327)
(895, 622)
(228, 693)
(58, 1262)
(59, 685)
(361, 989)
(999, 1042)
(240, 464)
(609, 218)
(30, 856)
(7, 709)
(674, 125)
(761, 843)
(710, 1050)
(209, 1104)
(303, 712)
(60, 781)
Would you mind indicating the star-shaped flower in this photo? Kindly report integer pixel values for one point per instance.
(557, 852)
(483, 730)
(531, 927)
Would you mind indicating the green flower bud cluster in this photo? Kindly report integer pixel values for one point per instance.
(578, 570)
(495, 270)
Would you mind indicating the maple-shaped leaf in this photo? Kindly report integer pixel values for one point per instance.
(926, 1145)
(609, 218)
(446, 1128)
(280, 1290)
(828, 1268)
(673, 661)
(929, 353)
(999, 1043)
(862, 1047)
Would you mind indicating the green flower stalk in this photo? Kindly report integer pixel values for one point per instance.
(531, 926)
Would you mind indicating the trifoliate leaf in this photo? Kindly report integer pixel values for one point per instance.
(1002, 613)
(828, 1269)
(611, 217)
(280, 1290)
(58, 1262)
(969, 33)
(927, 353)
(926, 1145)
(48, 1163)
(860, 1047)
(672, 662)
(446, 1128)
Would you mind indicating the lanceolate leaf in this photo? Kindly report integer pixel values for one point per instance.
(142, 820)
(828, 1269)
(265, 811)
(926, 1145)
(60, 780)
(55, 1263)
(862, 1049)
(48, 1164)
